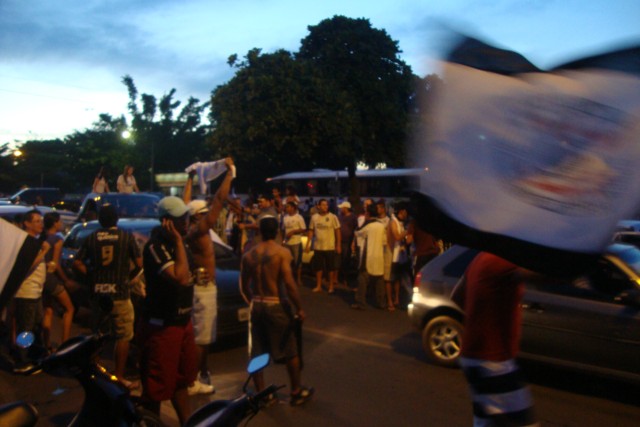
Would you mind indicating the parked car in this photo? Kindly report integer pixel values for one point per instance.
(12, 212)
(41, 196)
(591, 323)
(135, 205)
(233, 313)
(628, 225)
(628, 237)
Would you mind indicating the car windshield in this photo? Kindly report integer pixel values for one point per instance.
(631, 257)
(78, 234)
(132, 207)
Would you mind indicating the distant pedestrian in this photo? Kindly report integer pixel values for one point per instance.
(371, 266)
(294, 227)
(426, 246)
(398, 240)
(291, 196)
(325, 228)
(127, 182)
(348, 225)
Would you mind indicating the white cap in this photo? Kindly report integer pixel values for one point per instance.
(198, 206)
(345, 204)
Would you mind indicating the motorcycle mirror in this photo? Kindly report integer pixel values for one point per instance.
(25, 339)
(258, 363)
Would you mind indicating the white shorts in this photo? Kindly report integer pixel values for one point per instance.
(205, 313)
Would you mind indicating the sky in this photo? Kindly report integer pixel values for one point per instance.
(62, 62)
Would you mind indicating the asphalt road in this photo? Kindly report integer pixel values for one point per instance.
(368, 370)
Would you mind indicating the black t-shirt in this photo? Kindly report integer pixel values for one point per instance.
(108, 253)
(165, 300)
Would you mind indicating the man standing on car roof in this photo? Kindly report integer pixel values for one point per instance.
(205, 307)
(106, 257)
(490, 293)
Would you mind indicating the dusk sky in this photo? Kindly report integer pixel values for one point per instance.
(61, 62)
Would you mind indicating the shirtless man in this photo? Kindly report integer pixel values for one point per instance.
(268, 286)
(205, 307)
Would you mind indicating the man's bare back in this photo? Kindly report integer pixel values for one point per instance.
(265, 263)
(263, 268)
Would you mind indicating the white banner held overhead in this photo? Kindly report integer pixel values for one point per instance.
(548, 158)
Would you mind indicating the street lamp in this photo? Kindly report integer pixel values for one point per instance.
(16, 154)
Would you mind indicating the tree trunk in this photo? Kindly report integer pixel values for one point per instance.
(354, 188)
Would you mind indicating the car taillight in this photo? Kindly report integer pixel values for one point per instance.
(416, 282)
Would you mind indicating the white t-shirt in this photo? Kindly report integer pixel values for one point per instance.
(32, 286)
(126, 186)
(293, 222)
(324, 227)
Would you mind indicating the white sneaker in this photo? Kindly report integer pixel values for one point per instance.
(204, 379)
(200, 388)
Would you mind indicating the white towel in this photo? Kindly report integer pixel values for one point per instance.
(208, 171)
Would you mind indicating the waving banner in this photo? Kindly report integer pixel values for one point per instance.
(534, 166)
(17, 254)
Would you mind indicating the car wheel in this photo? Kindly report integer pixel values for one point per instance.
(442, 340)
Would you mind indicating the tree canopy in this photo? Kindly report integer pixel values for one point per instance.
(343, 98)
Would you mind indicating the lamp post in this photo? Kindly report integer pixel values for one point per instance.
(16, 155)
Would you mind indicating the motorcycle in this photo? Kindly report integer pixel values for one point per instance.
(230, 413)
(107, 401)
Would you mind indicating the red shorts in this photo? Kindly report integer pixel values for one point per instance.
(168, 360)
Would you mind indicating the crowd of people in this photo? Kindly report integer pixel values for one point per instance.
(174, 319)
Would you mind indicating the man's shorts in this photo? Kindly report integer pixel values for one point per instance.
(296, 253)
(28, 314)
(325, 260)
(52, 286)
(205, 313)
(168, 361)
(272, 331)
(399, 271)
(120, 322)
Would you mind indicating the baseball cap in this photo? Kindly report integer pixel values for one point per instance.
(172, 206)
(198, 207)
(345, 204)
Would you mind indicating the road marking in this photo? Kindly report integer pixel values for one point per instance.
(348, 338)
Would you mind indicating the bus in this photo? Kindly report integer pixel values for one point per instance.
(388, 184)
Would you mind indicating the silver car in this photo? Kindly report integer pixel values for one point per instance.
(591, 323)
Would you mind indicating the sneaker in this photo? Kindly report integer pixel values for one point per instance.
(200, 388)
(204, 379)
(302, 396)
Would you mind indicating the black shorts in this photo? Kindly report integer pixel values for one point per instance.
(272, 331)
(400, 270)
(325, 260)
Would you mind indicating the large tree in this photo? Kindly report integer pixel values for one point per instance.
(164, 143)
(344, 98)
(363, 64)
(101, 146)
(274, 114)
